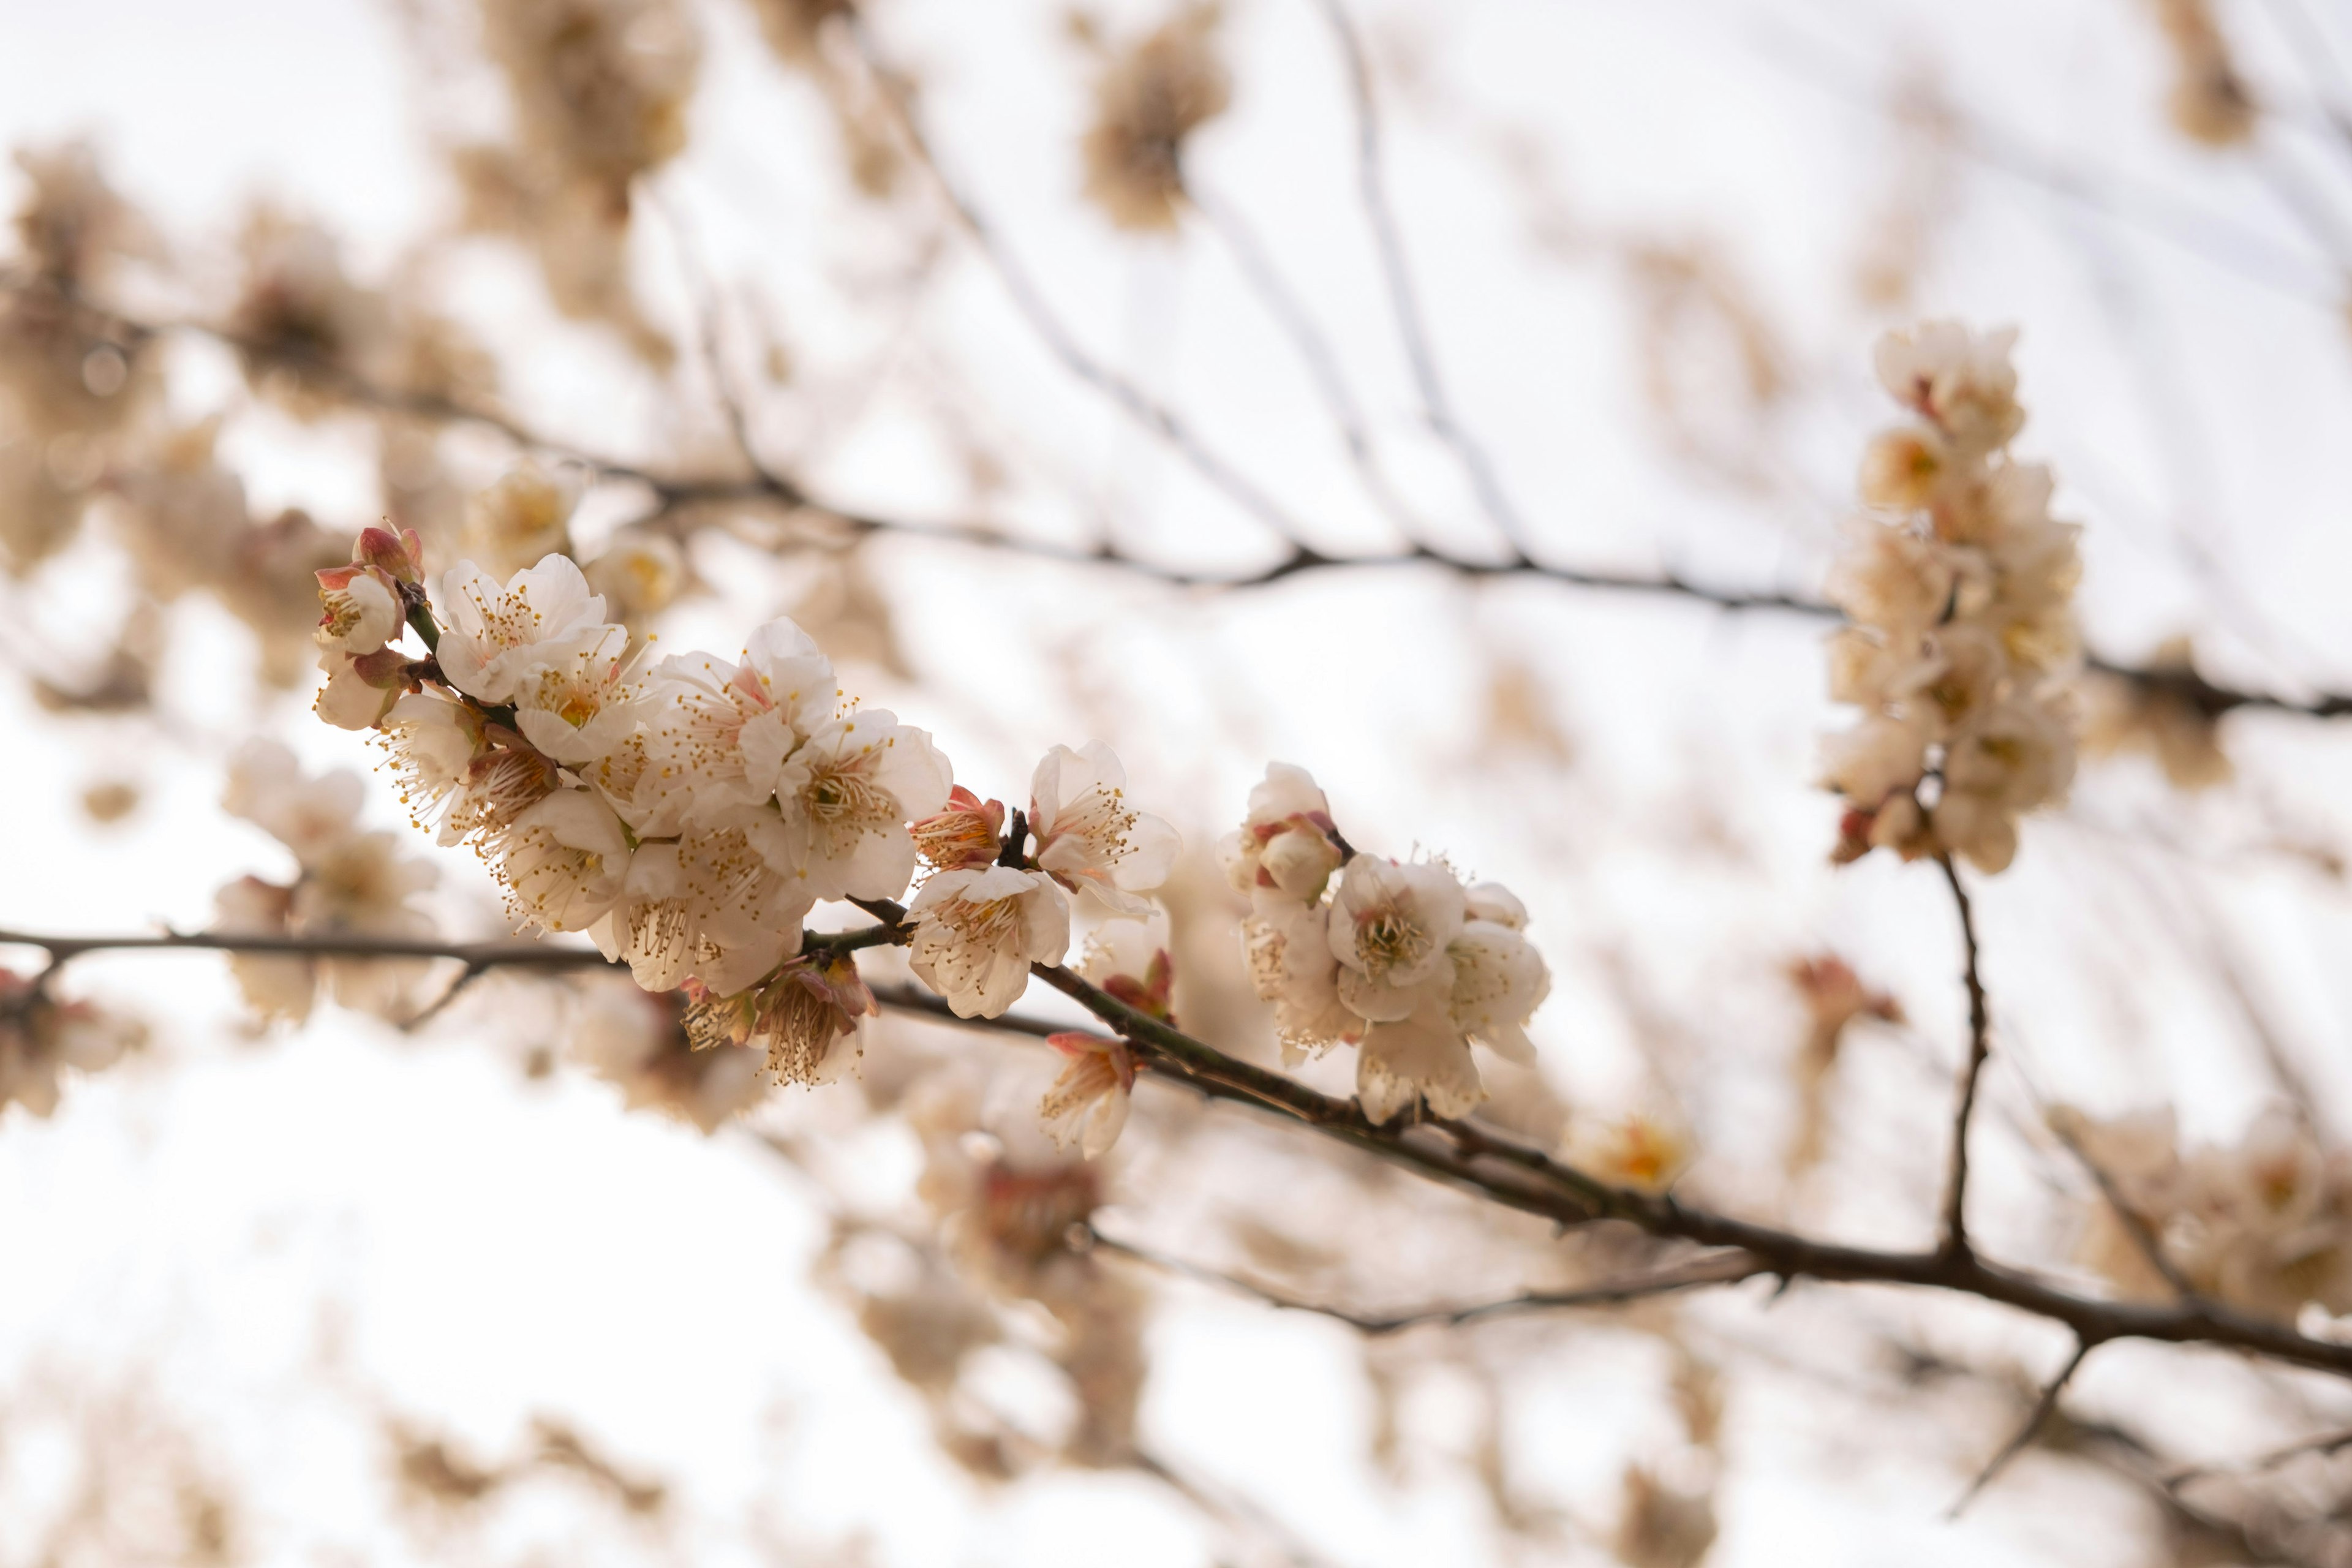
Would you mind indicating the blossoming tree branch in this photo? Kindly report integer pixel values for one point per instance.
(689, 814)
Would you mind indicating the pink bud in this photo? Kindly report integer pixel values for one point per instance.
(400, 556)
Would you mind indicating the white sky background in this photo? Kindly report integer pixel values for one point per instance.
(279, 1240)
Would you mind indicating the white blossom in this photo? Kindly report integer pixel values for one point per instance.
(1390, 927)
(361, 609)
(845, 797)
(563, 862)
(490, 634)
(571, 698)
(706, 905)
(976, 933)
(1287, 841)
(430, 741)
(1087, 1104)
(716, 734)
(1088, 839)
(1291, 964)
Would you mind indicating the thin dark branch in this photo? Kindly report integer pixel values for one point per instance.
(1121, 390)
(1466, 1155)
(2326, 1443)
(674, 492)
(487, 954)
(1723, 1269)
(1956, 1185)
(1404, 303)
(2134, 1223)
(2027, 1433)
(480, 955)
(1264, 274)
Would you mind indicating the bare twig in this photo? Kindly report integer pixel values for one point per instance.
(672, 492)
(1404, 303)
(1714, 1269)
(2027, 1433)
(2326, 1443)
(2134, 1223)
(1956, 1185)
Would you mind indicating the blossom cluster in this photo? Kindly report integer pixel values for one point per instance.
(1958, 585)
(2264, 1224)
(688, 813)
(1398, 958)
(349, 882)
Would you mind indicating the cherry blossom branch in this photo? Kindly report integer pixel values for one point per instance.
(1725, 1270)
(769, 486)
(1463, 1154)
(1490, 1164)
(1956, 1185)
(2034, 1420)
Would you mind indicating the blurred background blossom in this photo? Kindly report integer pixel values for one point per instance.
(986, 342)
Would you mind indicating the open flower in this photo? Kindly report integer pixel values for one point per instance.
(716, 734)
(571, 698)
(799, 1016)
(1390, 927)
(976, 933)
(705, 905)
(969, 833)
(1497, 980)
(39, 1035)
(1088, 839)
(845, 797)
(1288, 947)
(430, 742)
(564, 861)
(1087, 1104)
(1287, 841)
(1644, 1151)
(490, 634)
(361, 609)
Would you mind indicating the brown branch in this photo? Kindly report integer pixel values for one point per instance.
(769, 486)
(1494, 1167)
(1719, 1270)
(1956, 1185)
(475, 956)
(2027, 1433)
(1466, 1155)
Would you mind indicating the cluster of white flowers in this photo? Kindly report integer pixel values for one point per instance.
(349, 882)
(688, 813)
(2264, 1225)
(40, 1035)
(1959, 587)
(1397, 958)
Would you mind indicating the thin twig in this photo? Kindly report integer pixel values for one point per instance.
(1404, 303)
(1956, 1185)
(2134, 1223)
(2027, 1433)
(1715, 1270)
(767, 486)
(2326, 1443)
